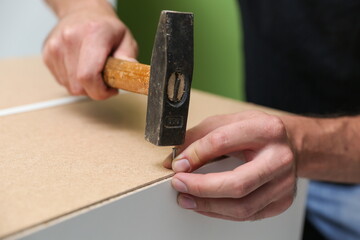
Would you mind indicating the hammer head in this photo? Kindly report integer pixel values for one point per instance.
(170, 79)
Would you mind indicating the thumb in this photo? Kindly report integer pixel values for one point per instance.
(199, 153)
(128, 49)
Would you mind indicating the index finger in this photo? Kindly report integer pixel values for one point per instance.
(239, 182)
(206, 126)
(246, 135)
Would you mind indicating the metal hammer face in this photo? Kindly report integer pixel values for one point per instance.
(170, 79)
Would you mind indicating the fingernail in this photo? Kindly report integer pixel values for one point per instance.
(126, 58)
(179, 185)
(186, 202)
(181, 165)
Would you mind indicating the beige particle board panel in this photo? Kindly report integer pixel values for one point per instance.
(59, 160)
(26, 81)
(66, 159)
(152, 213)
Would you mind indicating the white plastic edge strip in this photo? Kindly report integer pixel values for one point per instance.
(45, 104)
(41, 105)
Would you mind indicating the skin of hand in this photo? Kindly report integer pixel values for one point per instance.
(264, 186)
(77, 48)
(275, 149)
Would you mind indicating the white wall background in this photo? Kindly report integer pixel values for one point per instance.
(24, 24)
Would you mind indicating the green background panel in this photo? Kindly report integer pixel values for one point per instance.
(218, 56)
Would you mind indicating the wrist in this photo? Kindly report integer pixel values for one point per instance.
(322, 146)
(295, 137)
(310, 140)
(63, 8)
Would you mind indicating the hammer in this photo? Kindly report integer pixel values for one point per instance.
(167, 81)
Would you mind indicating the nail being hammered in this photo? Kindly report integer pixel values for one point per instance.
(174, 151)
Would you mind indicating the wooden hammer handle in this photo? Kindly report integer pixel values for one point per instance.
(129, 76)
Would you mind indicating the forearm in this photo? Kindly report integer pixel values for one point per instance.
(63, 7)
(327, 148)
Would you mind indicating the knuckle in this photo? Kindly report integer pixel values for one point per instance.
(83, 77)
(195, 156)
(69, 34)
(53, 47)
(197, 190)
(263, 176)
(240, 189)
(221, 185)
(218, 141)
(287, 158)
(274, 127)
(93, 26)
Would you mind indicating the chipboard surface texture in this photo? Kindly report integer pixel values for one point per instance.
(83, 167)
